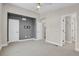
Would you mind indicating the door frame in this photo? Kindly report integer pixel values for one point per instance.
(75, 29)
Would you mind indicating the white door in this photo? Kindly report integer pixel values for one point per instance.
(39, 31)
(13, 30)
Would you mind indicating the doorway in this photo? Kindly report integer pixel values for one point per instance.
(68, 30)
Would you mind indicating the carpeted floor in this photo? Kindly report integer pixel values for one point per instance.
(37, 48)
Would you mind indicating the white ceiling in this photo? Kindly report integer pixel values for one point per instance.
(45, 7)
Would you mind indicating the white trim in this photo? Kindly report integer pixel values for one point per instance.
(21, 40)
(74, 15)
(54, 43)
(3, 45)
(37, 39)
(24, 40)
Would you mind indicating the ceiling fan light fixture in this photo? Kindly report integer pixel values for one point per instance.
(38, 6)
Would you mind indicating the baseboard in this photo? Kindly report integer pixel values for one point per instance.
(24, 40)
(37, 39)
(3, 45)
(53, 43)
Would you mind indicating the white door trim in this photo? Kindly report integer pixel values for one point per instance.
(72, 15)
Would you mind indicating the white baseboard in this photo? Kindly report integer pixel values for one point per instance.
(24, 40)
(54, 43)
(37, 39)
(20, 40)
(3, 45)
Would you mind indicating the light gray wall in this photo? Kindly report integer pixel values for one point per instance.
(53, 23)
(13, 9)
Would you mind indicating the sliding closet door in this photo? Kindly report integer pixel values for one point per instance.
(13, 30)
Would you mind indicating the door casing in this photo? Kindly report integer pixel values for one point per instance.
(73, 27)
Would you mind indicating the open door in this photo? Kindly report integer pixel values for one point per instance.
(13, 30)
(68, 29)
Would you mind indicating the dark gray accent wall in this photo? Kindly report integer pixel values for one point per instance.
(27, 29)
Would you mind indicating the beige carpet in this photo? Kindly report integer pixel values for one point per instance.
(37, 48)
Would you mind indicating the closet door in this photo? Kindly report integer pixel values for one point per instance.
(13, 30)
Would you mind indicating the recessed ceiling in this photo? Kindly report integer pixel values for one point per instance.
(45, 7)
